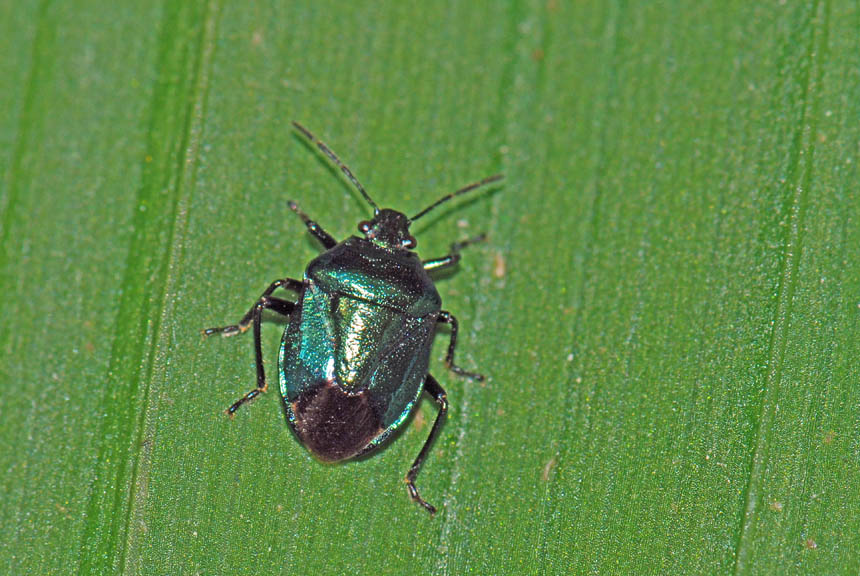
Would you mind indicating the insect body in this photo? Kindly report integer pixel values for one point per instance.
(354, 356)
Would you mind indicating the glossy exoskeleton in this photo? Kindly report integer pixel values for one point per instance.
(354, 356)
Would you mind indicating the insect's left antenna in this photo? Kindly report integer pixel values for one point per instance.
(343, 167)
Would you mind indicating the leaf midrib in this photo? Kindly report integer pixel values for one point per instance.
(798, 182)
(168, 170)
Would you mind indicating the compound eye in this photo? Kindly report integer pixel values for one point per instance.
(364, 226)
(409, 243)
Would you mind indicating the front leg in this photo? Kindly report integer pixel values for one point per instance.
(324, 237)
(454, 256)
(448, 318)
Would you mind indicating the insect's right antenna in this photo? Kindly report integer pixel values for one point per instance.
(343, 167)
(469, 188)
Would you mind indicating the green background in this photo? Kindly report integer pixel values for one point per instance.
(666, 307)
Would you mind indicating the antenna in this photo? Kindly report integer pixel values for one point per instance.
(469, 188)
(343, 167)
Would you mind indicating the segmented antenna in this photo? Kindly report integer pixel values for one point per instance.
(343, 167)
(469, 188)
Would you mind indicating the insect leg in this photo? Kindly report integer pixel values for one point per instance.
(439, 396)
(245, 322)
(265, 303)
(448, 318)
(314, 228)
(454, 256)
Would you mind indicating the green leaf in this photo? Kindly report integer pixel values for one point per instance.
(667, 307)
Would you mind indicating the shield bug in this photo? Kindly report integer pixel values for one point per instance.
(354, 356)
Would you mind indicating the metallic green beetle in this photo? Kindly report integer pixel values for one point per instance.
(354, 357)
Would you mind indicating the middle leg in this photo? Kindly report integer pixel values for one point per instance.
(265, 303)
(255, 316)
(245, 322)
(446, 317)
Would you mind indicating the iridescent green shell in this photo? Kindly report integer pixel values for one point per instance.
(355, 354)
